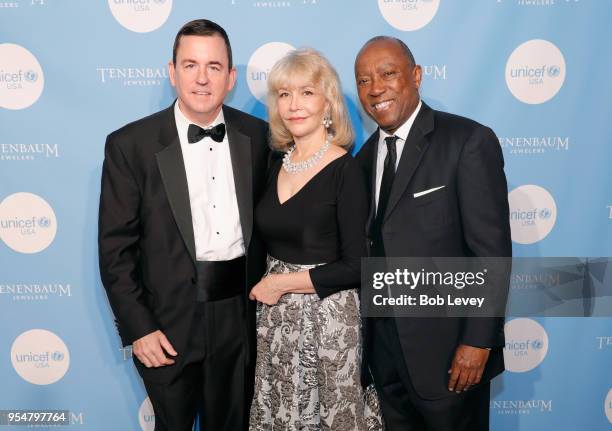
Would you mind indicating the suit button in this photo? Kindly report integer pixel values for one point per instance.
(193, 280)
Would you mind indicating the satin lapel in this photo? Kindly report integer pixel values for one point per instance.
(172, 169)
(242, 167)
(414, 148)
(371, 146)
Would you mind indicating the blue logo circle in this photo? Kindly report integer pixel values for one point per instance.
(553, 71)
(44, 222)
(545, 213)
(31, 76)
(537, 344)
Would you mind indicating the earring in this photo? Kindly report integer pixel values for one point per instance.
(327, 121)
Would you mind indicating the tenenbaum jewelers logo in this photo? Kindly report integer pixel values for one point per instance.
(133, 76)
(533, 213)
(269, 4)
(275, 4)
(604, 342)
(259, 66)
(141, 16)
(526, 345)
(520, 407)
(40, 357)
(435, 71)
(28, 151)
(408, 15)
(21, 77)
(35, 291)
(530, 145)
(27, 223)
(17, 3)
(535, 71)
(536, 3)
(146, 415)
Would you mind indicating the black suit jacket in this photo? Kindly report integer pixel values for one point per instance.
(146, 241)
(468, 217)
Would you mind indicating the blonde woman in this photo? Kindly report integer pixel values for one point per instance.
(312, 217)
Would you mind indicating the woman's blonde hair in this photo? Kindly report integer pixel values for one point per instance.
(315, 68)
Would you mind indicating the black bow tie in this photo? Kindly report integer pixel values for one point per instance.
(196, 133)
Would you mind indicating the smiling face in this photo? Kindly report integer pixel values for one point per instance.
(387, 83)
(301, 106)
(201, 77)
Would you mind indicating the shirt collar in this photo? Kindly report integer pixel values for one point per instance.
(182, 122)
(403, 130)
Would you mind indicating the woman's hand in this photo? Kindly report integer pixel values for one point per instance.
(267, 290)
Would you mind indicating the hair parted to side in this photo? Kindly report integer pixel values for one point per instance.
(311, 65)
(202, 27)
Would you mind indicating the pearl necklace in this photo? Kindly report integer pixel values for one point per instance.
(297, 167)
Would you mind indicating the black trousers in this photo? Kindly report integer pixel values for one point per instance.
(402, 407)
(214, 380)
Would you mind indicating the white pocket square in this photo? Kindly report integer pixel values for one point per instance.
(424, 192)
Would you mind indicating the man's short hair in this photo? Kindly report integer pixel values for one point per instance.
(202, 27)
(400, 42)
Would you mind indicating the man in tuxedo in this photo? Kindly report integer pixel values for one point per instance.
(438, 189)
(178, 255)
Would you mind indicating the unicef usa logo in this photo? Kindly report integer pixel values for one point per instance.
(21, 77)
(526, 345)
(408, 15)
(27, 223)
(535, 71)
(146, 415)
(141, 16)
(608, 406)
(533, 213)
(40, 357)
(259, 66)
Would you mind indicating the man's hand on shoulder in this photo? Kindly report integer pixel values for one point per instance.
(152, 348)
(467, 367)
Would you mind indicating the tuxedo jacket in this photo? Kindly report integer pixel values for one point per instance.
(468, 216)
(146, 241)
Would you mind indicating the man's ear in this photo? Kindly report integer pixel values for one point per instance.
(417, 75)
(171, 71)
(232, 79)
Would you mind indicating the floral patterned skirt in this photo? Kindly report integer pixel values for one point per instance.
(307, 375)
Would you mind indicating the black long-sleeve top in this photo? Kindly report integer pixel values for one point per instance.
(324, 222)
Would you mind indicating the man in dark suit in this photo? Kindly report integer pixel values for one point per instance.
(438, 189)
(178, 255)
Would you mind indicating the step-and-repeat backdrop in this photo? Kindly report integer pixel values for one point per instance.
(71, 71)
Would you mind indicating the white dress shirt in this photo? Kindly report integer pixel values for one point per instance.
(402, 134)
(212, 193)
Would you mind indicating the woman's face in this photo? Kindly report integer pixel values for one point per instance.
(302, 106)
